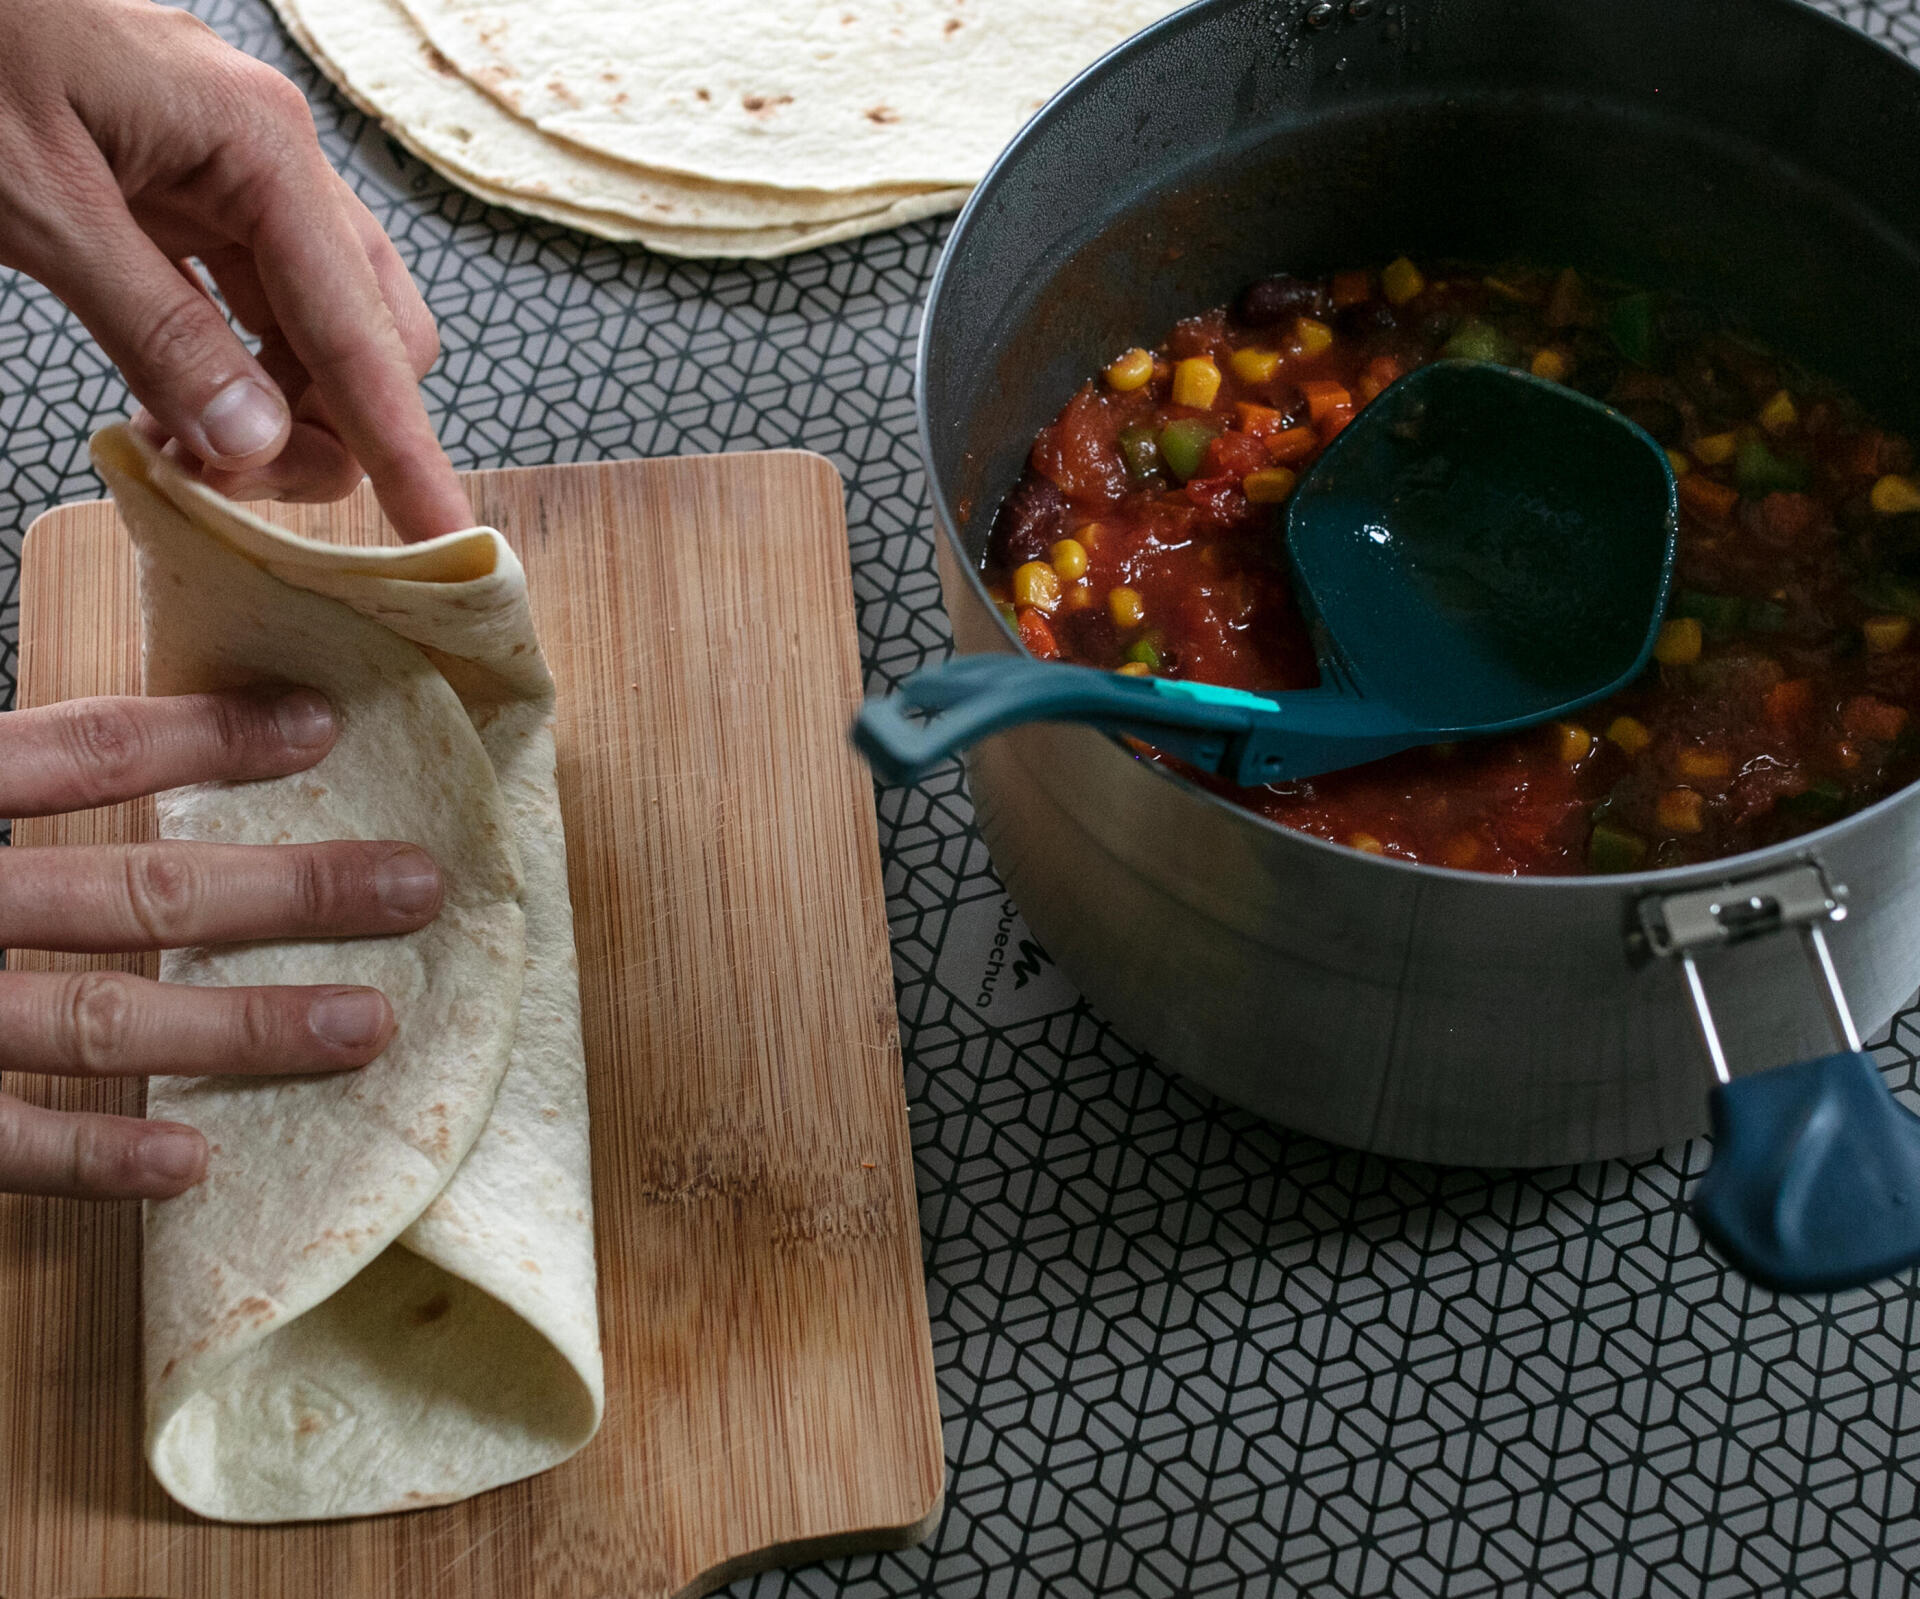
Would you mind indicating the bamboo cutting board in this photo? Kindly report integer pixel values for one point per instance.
(770, 1377)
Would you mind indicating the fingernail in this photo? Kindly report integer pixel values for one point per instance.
(172, 1154)
(407, 882)
(304, 718)
(351, 1018)
(243, 418)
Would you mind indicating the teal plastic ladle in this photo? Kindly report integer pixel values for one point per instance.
(1478, 551)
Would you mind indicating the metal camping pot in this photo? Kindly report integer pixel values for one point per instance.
(1754, 152)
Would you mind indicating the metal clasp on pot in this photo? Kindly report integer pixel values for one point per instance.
(1684, 926)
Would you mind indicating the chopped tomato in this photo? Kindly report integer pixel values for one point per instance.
(1235, 455)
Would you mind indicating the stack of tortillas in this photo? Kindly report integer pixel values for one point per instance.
(711, 127)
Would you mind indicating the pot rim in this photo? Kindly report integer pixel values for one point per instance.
(1664, 879)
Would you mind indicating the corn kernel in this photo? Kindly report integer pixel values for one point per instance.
(1681, 810)
(1130, 371)
(1125, 606)
(1630, 733)
(1679, 641)
(1135, 669)
(1253, 365)
(1463, 849)
(1270, 485)
(1366, 843)
(1779, 413)
(1090, 535)
(1080, 597)
(1069, 558)
(1552, 365)
(1703, 765)
(1311, 338)
(1401, 280)
(1885, 634)
(1196, 382)
(1677, 459)
(1037, 584)
(1716, 449)
(1574, 741)
(1894, 495)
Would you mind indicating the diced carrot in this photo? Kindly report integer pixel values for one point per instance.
(1038, 636)
(1259, 420)
(1865, 717)
(1292, 444)
(1324, 398)
(1334, 421)
(1789, 701)
(1859, 456)
(1352, 288)
(1701, 495)
(1382, 372)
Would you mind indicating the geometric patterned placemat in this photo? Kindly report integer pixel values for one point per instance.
(1181, 1351)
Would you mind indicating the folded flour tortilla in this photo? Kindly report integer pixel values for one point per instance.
(382, 1295)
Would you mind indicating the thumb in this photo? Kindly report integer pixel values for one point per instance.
(169, 340)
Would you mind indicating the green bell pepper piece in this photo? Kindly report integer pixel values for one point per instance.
(1631, 325)
(1758, 472)
(1183, 446)
(1611, 848)
(1475, 340)
(1140, 451)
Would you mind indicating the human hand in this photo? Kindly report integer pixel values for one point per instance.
(134, 141)
(162, 896)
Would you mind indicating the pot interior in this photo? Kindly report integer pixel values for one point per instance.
(1752, 152)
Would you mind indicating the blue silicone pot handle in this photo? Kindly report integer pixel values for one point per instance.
(1815, 1182)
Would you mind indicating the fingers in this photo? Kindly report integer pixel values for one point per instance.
(91, 752)
(168, 338)
(109, 1024)
(82, 1156)
(167, 896)
(327, 301)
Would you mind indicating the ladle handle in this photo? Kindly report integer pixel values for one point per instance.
(974, 696)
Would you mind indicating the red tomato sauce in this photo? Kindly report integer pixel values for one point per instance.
(1145, 537)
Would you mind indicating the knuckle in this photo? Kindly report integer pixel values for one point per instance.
(174, 337)
(106, 745)
(98, 1158)
(163, 891)
(326, 883)
(257, 1026)
(100, 1015)
(238, 725)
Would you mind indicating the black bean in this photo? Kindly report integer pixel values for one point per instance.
(1658, 417)
(1031, 519)
(1368, 318)
(1269, 302)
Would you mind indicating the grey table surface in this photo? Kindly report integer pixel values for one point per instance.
(1181, 1351)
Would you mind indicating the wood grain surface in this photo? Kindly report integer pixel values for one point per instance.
(769, 1366)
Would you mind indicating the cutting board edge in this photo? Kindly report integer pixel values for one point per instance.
(811, 1551)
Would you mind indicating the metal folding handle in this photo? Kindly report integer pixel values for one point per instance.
(1815, 1180)
(1685, 926)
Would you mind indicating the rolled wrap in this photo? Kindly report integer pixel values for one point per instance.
(382, 1295)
